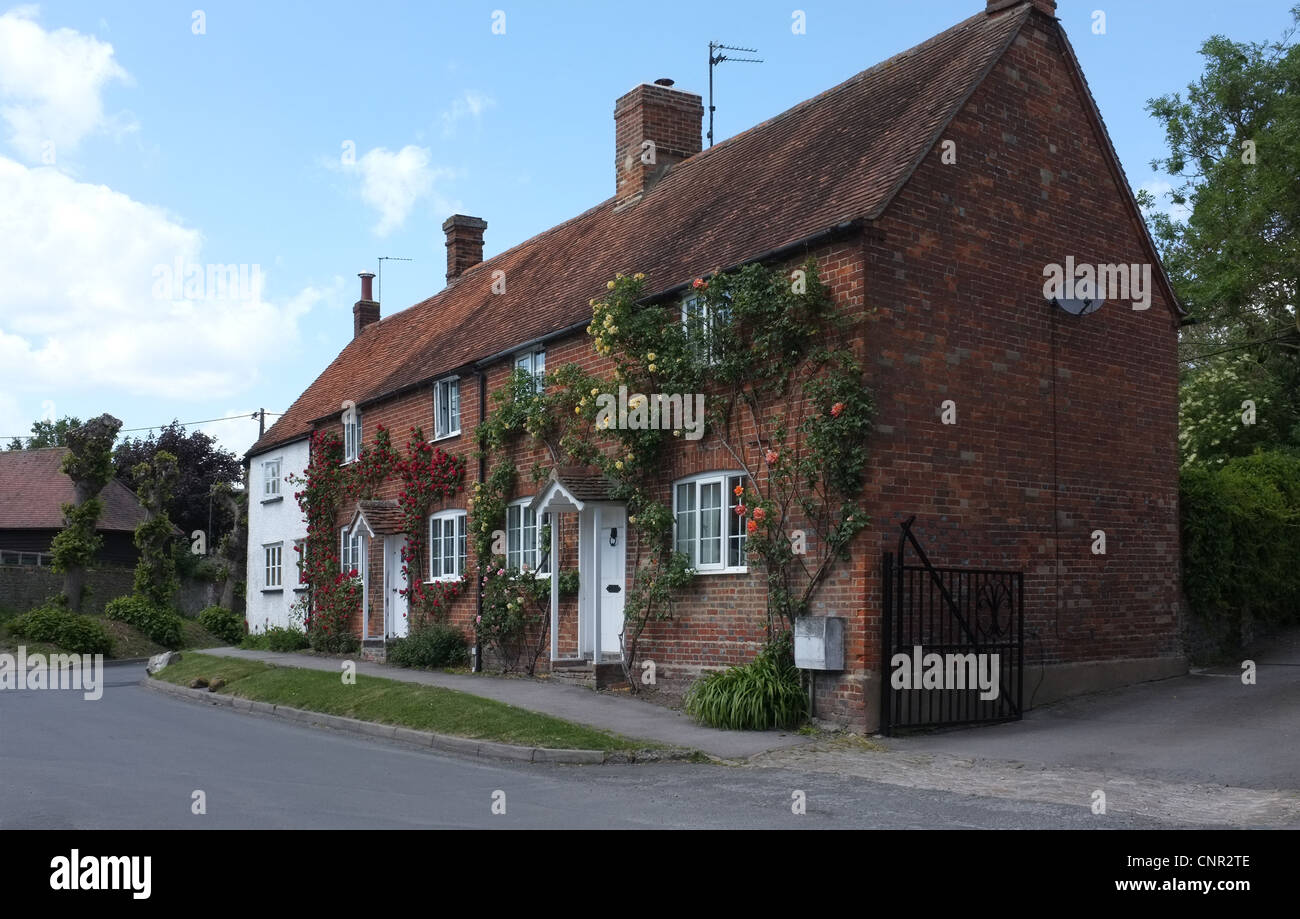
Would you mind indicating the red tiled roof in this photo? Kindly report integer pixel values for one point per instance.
(33, 490)
(839, 156)
(384, 517)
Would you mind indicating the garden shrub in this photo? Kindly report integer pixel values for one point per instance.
(223, 624)
(162, 626)
(757, 696)
(77, 634)
(1241, 546)
(433, 645)
(285, 638)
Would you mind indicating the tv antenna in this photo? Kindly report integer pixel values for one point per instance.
(714, 60)
(379, 286)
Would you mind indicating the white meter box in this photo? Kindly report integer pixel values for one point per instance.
(819, 643)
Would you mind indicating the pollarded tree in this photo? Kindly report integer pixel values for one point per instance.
(155, 573)
(89, 464)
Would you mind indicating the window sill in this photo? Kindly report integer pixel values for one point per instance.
(701, 571)
(300, 588)
(447, 580)
(273, 499)
(441, 437)
(272, 590)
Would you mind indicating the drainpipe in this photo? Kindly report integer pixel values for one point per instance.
(476, 665)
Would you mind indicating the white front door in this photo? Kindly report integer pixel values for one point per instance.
(611, 543)
(396, 604)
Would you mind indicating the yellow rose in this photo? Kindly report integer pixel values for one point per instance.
(651, 368)
(610, 285)
(650, 356)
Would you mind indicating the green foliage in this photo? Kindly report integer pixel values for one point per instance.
(47, 434)
(155, 573)
(77, 634)
(161, 624)
(1233, 141)
(1213, 424)
(1241, 543)
(201, 465)
(75, 545)
(282, 638)
(516, 607)
(435, 645)
(757, 696)
(223, 624)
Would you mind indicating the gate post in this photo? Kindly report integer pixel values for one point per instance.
(886, 637)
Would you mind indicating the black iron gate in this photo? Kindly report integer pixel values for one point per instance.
(953, 642)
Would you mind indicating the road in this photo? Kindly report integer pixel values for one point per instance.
(134, 759)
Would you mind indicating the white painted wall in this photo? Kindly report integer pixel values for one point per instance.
(276, 520)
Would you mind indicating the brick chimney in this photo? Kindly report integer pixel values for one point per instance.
(1047, 7)
(366, 310)
(668, 118)
(464, 243)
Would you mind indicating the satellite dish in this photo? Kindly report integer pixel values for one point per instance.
(1079, 307)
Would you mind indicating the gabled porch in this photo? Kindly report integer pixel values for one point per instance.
(602, 573)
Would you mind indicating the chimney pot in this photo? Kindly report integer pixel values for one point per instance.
(656, 126)
(464, 243)
(366, 310)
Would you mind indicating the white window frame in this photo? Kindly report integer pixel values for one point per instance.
(349, 551)
(273, 566)
(300, 550)
(351, 435)
(534, 363)
(699, 320)
(443, 521)
(271, 480)
(731, 529)
(450, 385)
(538, 559)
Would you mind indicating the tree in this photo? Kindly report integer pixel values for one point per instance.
(232, 551)
(1233, 143)
(201, 464)
(155, 573)
(48, 434)
(89, 464)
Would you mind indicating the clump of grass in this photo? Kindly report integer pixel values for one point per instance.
(757, 696)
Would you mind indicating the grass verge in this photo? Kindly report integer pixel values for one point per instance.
(408, 705)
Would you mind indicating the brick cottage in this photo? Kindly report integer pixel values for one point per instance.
(934, 190)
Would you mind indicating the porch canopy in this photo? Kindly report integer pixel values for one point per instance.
(379, 518)
(570, 490)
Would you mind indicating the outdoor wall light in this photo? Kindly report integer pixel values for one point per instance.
(613, 536)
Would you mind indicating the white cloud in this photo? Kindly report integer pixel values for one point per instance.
(392, 183)
(51, 85)
(77, 306)
(470, 105)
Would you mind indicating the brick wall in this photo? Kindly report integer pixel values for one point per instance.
(1065, 425)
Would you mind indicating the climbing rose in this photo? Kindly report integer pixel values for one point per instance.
(751, 526)
(740, 510)
(836, 409)
(771, 457)
(699, 284)
(759, 514)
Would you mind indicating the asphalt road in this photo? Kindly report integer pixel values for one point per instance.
(134, 759)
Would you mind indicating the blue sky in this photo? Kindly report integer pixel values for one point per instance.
(128, 141)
